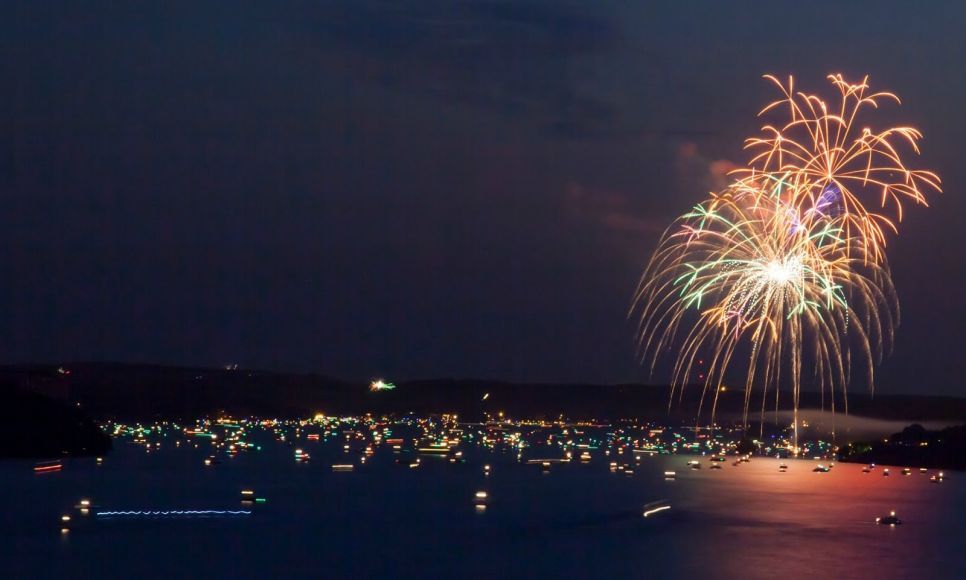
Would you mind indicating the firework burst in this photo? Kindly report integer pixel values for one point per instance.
(785, 270)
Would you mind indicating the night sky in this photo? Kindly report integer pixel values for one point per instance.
(420, 188)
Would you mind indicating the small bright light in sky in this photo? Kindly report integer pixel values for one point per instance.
(380, 385)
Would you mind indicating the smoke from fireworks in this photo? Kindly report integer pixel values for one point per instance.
(785, 270)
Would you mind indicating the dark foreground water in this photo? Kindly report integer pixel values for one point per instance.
(385, 521)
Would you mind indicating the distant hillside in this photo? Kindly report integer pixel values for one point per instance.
(35, 426)
(129, 391)
(914, 446)
(136, 391)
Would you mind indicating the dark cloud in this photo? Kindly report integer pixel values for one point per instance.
(471, 32)
(524, 60)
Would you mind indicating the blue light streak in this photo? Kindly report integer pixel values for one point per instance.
(172, 513)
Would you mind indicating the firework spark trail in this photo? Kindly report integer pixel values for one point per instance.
(822, 146)
(786, 268)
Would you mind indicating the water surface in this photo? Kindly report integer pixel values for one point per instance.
(384, 520)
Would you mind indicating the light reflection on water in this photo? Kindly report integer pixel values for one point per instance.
(380, 520)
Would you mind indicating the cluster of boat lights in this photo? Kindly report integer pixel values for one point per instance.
(443, 442)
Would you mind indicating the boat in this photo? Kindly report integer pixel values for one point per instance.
(434, 448)
(656, 507)
(889, 520)
(48, 466)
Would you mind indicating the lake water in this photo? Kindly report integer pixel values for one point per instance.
(382, 520)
